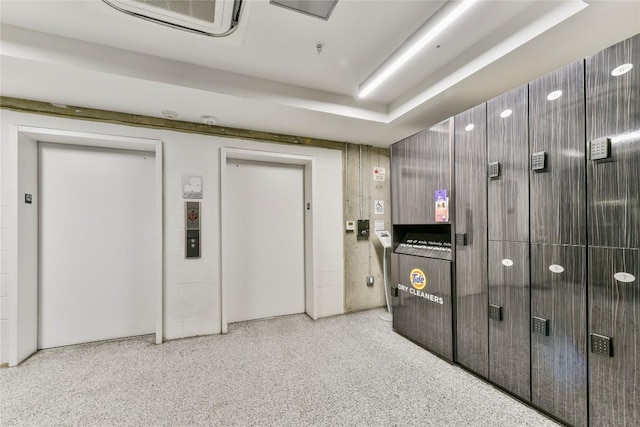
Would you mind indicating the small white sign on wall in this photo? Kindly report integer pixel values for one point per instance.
(191, 187)
(378, 207)
(378, 173)
(379, 224)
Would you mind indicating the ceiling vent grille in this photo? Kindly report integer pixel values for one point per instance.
(215, 18)
(319, 8)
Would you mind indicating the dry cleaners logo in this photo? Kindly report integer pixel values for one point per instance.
(418, 282)
(418, 279)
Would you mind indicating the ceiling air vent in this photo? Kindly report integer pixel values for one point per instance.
(319, 8)
(214, 18)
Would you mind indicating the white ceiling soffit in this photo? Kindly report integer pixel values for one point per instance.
(268, 75)
(487, 32)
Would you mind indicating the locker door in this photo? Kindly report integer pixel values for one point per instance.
(420, 165)
(558, 340)
(472, 333)
(614, 307)
(613, 112)
(508, 145)
(556, 123)
(509, 363)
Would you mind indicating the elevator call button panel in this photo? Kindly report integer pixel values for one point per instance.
(192, 229)
(600, 149)
(539, 161)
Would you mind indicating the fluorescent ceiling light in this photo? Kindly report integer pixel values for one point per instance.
(426, 33)
(506, 113)
(469, 127)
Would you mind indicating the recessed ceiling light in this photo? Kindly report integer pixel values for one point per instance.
(469, 127)
(169, 114)
(209, 120)
(59, 105)
(426, 33)
(505, 114)
(554, 95)
(621, 69)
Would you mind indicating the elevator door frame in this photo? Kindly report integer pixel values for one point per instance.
(307, 162)
(23, 319)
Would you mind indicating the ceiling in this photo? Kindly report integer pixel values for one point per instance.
(268, 75)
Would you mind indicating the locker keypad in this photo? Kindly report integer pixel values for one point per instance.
(540, 326)
(600, 148)
(494, 169)
(602, 345)
(539, 161)
(495, 312)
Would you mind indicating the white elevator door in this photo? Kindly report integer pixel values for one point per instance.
(266, 233)
(96, 244)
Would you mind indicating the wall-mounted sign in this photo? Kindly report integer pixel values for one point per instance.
(379, 225)
(442, 206)
(378, 207)
(378, 173)
(191, 187)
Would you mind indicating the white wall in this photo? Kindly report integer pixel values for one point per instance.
(192, 287)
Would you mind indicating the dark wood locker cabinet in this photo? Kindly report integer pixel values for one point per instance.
(613, 218)
(509, 350)
(508, 145)
(556, 129)
(614, 308)
(613, 111)
(559, 337)
(470, 165)
(424, 321)
(420, 165)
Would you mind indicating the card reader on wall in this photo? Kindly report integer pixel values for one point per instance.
(363, 228)
(384, 237)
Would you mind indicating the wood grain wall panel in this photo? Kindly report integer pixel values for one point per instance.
(614, 311)
(470, 160)
(508, 143)
(424, 321)
(613, 110)
(420, 165)
(559, 360)
(557, 127)
(509, 346)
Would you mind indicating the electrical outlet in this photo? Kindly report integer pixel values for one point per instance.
(350, 226)
(495, 312)
(602, 345)
(540, 326)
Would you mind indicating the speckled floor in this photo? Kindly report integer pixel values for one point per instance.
(349, 370)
